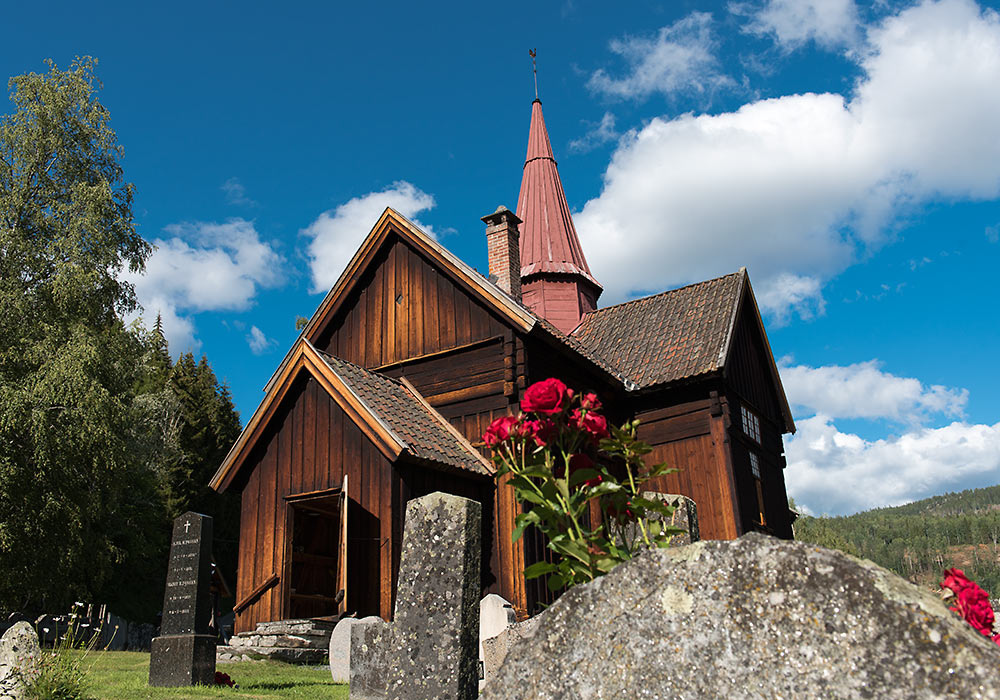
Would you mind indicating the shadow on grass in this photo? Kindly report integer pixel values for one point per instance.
(257, 685)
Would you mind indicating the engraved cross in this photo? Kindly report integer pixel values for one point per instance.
(187, 526)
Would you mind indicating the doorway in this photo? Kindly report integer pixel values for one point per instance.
(317, 575)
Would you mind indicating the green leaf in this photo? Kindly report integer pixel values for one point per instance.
(539, 569)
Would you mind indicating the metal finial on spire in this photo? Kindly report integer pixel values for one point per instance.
(534, 68)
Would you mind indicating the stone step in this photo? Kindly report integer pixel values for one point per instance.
(224, 654)
(254, 639)
(295, 627)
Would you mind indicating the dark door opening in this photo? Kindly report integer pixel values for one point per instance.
(317, 579)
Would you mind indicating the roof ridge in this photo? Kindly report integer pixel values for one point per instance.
(658, 294)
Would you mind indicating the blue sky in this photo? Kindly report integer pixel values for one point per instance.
(847, 153)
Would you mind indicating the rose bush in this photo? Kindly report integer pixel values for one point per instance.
(970, 601)
(561, 456)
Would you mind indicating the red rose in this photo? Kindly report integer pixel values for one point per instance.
(590, 422)
(971, 602)
(956, 580)
(499, 430)
(546, 397)
(539, 430)
(590, 402)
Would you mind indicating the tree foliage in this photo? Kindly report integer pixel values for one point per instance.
(73, 503)
(102, 439)
(920, 539)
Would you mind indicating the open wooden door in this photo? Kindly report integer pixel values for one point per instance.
(317, 573)
(342, 578)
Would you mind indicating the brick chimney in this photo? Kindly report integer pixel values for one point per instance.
(504, 250)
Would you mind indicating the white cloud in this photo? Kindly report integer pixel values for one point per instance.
(598, 135)
(678, 58)
(792, 23)
(863, 390)
(836, 473)
(236, 193)
(203, 267)
(785, 293)
(796, 187)
(259, 343)
(337, 234)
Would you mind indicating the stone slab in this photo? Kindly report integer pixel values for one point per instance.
(495, 615)
(435, 647)
(495, 649)
(288, 655)
(753, 618)
(370, 640)
(19, 656)
(339, 650)
(182, 660)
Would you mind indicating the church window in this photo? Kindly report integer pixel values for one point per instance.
(751, 423)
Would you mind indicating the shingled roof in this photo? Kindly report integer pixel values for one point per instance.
(425, 432)
(668, 337)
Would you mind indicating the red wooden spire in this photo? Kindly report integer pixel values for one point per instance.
(555, 278)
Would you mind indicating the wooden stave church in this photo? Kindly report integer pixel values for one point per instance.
(413, 353)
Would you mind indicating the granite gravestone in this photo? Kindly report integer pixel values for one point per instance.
(435, 634)
(184, 653)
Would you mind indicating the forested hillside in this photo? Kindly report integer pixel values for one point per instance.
(920, 539)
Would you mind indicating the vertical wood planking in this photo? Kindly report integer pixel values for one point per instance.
(391, 308)
(429, 285)
(414, 298)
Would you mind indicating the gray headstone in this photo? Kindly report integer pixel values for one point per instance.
(184, 653)
(495, 649)
(370, 639)
(434, 652)
(759, 617)
(19, 654)
(340, 648)
(495, 616)
(685, 516)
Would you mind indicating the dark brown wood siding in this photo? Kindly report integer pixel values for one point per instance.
(404, 307)
(750, 383)
(309, 446)
(690, 437)
(407, 318)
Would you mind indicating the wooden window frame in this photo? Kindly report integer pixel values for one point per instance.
(750, 422)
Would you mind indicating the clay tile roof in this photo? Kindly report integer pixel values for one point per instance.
(680, 334)
(414, 422)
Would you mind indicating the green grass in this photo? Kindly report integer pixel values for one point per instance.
(124, 675)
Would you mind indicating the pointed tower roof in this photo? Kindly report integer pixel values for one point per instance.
(548, 238)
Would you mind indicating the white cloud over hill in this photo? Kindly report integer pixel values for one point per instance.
(834, 472)
(862, 390)
(795, 187)
(837, 472)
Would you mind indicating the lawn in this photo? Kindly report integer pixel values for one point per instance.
(124, 675)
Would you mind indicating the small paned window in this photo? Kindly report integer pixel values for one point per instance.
(751, 424)
(755, 465)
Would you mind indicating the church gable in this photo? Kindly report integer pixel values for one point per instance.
(750, 366)
(405, 305)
